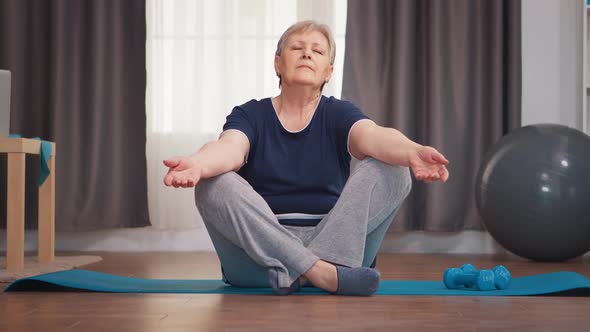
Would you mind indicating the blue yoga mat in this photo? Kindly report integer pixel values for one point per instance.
(561, 283)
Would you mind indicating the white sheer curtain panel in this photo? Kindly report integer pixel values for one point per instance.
(203, 58)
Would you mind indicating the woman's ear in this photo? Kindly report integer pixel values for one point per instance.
(278, 65)
(330, 71)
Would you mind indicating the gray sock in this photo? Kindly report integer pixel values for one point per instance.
(273, 280)
(359, 281)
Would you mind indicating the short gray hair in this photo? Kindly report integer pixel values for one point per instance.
(307, 26)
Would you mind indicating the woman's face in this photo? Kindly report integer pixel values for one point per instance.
(305, 60)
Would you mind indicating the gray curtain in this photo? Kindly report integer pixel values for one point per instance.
(79, 79)
(447, 73)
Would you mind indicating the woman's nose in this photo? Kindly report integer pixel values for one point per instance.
(306, 53)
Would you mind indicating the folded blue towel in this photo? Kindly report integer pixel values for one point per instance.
(561, 283)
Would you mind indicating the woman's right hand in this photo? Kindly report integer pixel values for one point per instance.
(183, 172)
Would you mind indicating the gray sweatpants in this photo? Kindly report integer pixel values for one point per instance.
(249, 239)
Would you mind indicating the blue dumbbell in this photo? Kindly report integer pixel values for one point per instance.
(502, 277)
(469, 269)
(468, 276)
(481, 280)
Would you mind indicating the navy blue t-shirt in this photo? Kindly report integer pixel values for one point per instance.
(299, 174)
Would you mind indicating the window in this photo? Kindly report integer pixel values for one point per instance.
(203, 58)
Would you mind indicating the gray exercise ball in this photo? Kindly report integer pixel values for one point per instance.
(533, 192)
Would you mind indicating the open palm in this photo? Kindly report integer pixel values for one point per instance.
(429, 165)
(183, 172)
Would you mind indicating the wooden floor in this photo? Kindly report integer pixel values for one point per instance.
(189, 312)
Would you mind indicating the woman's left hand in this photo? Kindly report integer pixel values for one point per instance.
(428, 165)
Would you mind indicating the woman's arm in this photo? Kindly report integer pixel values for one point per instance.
(392, 147)
(389, 145)
(228, 153)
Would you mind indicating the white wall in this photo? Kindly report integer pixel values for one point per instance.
(551, 92)
(552, 62)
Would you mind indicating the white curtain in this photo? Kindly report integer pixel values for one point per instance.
(203, 58)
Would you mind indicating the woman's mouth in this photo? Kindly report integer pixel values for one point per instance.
(305, 66)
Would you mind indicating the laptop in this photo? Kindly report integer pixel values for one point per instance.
(4, 102)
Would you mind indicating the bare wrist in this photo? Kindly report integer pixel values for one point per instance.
(415, 147)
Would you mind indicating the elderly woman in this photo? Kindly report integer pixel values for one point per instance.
(275, 190)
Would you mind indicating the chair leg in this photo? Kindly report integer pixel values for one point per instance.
(46, 225)
(15, 206)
